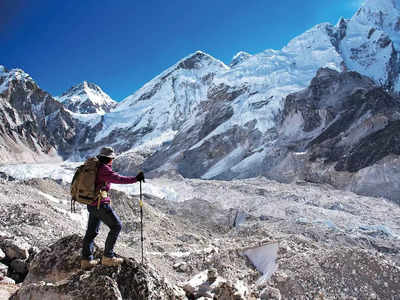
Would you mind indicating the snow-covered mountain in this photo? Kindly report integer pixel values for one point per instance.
(210, 120)
(154, 114)
(86, 98)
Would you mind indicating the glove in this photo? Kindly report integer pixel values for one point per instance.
(140, 176)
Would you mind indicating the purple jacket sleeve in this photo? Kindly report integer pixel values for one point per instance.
(109, 176)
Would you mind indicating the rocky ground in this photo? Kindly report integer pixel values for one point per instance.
(331, 244)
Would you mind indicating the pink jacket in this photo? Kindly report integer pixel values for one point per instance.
(106, 176)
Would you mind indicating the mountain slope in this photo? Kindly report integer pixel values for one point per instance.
(155, 112)
(34, 126)
(87, 98)
(331, 132)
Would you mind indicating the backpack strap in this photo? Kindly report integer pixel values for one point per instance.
(99, 195)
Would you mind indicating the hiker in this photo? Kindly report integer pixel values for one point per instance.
(101, 211)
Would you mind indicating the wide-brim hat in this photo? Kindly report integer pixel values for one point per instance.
(107, 152)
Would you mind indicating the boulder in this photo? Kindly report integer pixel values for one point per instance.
(2, 254)
(6, 280)
(19, 266)
(7, 289)
(270, 293)
(208, 284)
(3, 269)
(181, 267)
(15, 248)
(58, 261)
(4, 235)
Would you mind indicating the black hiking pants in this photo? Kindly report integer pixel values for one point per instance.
(106, 215)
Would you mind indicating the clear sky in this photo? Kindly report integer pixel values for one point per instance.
(122, 44)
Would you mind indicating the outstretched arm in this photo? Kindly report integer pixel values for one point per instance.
(108, 175)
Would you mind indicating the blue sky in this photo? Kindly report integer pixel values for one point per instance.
(122, 44)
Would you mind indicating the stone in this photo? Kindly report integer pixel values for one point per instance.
(57, 261)
(15, 248)
(181, 267)
(212, 274)
(4, 235)
(7, 280)
(373, 296)
(3, 269)
(2, 254)
(270, 293)
(209, 285)
(20, 266)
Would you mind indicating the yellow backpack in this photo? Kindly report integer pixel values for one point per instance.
(83, 185)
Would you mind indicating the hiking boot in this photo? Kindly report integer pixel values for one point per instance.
(111, 261)
(88, 264)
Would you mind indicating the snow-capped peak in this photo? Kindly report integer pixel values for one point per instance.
(198, 60)
(196, 66)
(86, 98)
(239, 57)
(14, 74)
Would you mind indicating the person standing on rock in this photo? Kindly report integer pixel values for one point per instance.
(103, 212)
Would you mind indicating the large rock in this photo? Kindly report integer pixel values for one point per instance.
(3, 269)
(55, 274)
(208, 284)
(19, 266)
(15, 248)
(57, 262)
(7, 290)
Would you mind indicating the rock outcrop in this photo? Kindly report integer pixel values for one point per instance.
(209, 285)
(55, 274)
(15, 257)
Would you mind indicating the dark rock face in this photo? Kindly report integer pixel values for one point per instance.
(194, 61)
(343, 125)
(358, 128)
(33, 124)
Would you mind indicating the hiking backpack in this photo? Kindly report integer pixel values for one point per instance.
(83, 185)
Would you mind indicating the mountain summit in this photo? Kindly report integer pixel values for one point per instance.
(87, 98)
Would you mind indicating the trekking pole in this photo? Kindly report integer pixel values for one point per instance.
(141, 218)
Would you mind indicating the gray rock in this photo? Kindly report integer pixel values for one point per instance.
(181, 267)
(19, 266)
(15, 248)
(208, 284)
(57, 261)
(270, 293)
(3, 269)
(2, 254)
(7, 280)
